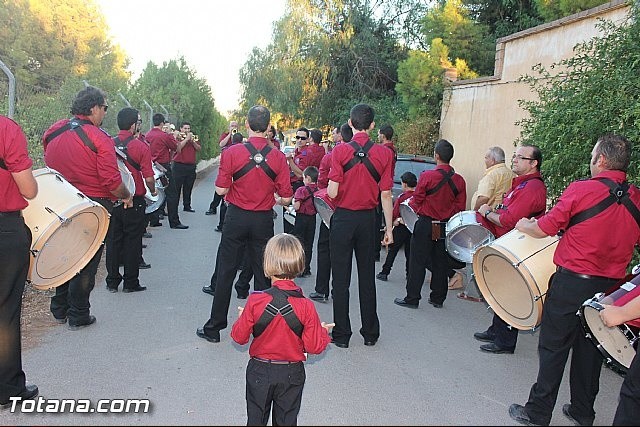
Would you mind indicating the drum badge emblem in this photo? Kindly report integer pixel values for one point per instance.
(258, 158)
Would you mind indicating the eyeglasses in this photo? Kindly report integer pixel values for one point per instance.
(139, 121)
(520, 157)
(105, 107)
(304, 138)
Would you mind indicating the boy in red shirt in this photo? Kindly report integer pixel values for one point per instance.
(305, 226)
(285, 326)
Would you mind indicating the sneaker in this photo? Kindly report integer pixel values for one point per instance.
(382, 276)
(211, 212)
(318, 297)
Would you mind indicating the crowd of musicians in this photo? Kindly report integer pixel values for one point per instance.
(598, 220)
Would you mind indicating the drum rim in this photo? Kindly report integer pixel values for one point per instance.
(490, 238)
(324, 208)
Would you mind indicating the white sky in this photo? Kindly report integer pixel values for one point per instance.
(214, 36)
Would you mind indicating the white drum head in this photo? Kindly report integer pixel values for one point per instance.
(324, 210)
(409, 217)
(613, 341)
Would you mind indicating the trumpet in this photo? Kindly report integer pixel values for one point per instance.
(182, 135)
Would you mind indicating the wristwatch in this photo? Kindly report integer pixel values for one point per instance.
(487, 213)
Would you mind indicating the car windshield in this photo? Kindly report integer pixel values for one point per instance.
(416, 167)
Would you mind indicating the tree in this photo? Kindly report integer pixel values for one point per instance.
(504, 17)
(556, 9)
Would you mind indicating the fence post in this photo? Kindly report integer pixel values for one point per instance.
(150, 113)
(166, 113)
(126, 101)
(12, 89)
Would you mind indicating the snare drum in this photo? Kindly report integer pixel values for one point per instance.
(464, 235)
(513, 273)
(617, 343)
(159, 173)
(409, 217)
(324, 206)
(154, 202)
(125, 173)
(290, 215)
(67, 229)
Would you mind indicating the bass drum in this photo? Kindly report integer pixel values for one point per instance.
(324, 206)
(617, 344)
(513, 275)
(67, 230)
(464, 235)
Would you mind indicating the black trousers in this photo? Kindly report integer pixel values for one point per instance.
(426, 253)
(124, 242)
(323, 261)
(353, 231)
(241, 227)
(276, 385)
(216, 201)
(628, 412)
(14, 253)
(305, 230)
(185, 176)
(223, 213)
(561, 332)
(504, 336)
(172, 197)
(401, 238)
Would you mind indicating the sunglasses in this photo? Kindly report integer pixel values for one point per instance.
(304, 138)
(105, 107)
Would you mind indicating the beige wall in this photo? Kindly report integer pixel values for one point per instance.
(481, 113)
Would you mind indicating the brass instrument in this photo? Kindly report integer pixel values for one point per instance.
(182, 135)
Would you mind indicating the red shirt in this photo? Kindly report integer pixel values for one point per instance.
(13, 151)
(323, 171)
(527, 198)
(278, 341)
(316, 153)
(162, 144)
(254, 191)
(302, 158)
(94, 174)
(358, 190)
(305, 197)
(392, 147)
(187, 155)
(401, 198)
(601, 245)
(140, 153)
(276, 143)
(443, 204)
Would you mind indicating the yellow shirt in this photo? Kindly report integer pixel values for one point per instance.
(494, 184)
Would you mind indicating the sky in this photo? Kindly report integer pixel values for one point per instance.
(214, 36)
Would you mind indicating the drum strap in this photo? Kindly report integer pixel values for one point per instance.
(256, 159)
(279, 305)
(445, 180)
(618, 193)
(3, 165)
(74, 125)
(361, 155)
(122, 146)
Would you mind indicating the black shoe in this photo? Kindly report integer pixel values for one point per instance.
(112, 290)
(382, 276)
(218, 229)
(156, 224)
(435, 304)
(402, 303)
(30, 392)
(370, 343)
(144, 246)
(180, 226)
(318, 297)
(519, 414)
(144, 266)
(73, 327)
(208, 290)
(495, 349)
(242, 296)
(188, 210)
(147, 235)
(211, 212)
(339, 344)
(566, 411)
(201, 334)
(60, 321)
(136, 289)
(160, 217)
(484, 336)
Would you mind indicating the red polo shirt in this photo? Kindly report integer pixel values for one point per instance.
(323, 171)
(254, 191)
(94, 174)
(278, 341)
(162, 144)
(401, 198)
(527, 198)
(392, 147)
(316, 153)
(443, 204)
(305, 197)
(358, 190)
(139, 152)
(187, 155)
(14, 154)
(302, 158)
(601, 245)
(276, 143)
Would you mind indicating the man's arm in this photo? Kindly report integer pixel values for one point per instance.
(221, 191)
(387, 209)
(530, 226)
(151, 185)
(481, 200)
(332, 189)
(292, 165)
(27, 184)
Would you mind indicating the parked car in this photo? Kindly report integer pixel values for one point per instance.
(410, 163)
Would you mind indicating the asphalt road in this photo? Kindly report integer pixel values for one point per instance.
(425, 370)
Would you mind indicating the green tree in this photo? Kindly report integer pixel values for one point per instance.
(556, 9)
(504, 17)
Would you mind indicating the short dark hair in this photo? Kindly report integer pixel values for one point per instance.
(236, 138)
(311, 172)
(158, 119)
(444, 149)
(185, 123)
(410, 179)
(316, 135)
(303, 129)
(86, 99)
(361, 116)
(387, 131)
(258, 118)
(536, 155)
(127, 117)
(346, 132)
(616, 150)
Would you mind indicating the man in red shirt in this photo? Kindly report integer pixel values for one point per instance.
(248, 177)
(385, 133)
(601, 226)
(16, 185)
(124, 238)
(360, 174)
(527, 198)
(298, 160)
(84, 154)
(184, 165)
(226, 140)
(440, 194)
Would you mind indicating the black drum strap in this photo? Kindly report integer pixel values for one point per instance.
(122, 146)
(445, 180)
(3, 165)
(74, 125)
(256, 159)
(279, 305)
(361, 155)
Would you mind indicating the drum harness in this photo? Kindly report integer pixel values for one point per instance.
(437, 231)
(361, 155)
(279, 305)
(257, 159)
(309, 195)
(122, 146)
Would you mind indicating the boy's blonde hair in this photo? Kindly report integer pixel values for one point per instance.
(283, 257)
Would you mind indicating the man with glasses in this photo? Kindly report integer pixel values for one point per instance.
(527, 198)
(298, 160)
(184, 165)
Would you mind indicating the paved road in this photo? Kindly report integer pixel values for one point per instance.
(426, 368)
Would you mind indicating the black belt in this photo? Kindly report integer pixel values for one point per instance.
(584, 276)
(274, 362)
(11, 214)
